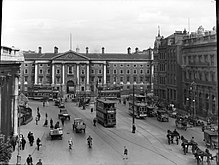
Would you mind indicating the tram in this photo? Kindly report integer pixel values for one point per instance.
(41, 92)
(139, 104)
(111, 94)
(106, 112)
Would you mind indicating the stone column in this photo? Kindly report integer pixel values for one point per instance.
(63, 74)
(78, 78)
(104, 74)
(53, 74)
(15, 107)
(36, 70)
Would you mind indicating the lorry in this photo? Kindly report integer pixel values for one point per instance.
(79, 125)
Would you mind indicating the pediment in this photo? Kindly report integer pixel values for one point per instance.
(71, 55)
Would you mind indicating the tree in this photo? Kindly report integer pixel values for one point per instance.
(5, 151)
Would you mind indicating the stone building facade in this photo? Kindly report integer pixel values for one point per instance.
(200, 90)
(10, 61)
(72, 72)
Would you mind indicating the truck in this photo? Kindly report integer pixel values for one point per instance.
(56, 133)
(79, 125)
(64, 113)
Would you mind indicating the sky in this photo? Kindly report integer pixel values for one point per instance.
(112, 24)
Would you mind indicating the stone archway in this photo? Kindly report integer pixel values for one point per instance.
(70, 87)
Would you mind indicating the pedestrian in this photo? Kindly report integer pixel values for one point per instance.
(29, 160)
(125, 153)
(13, 142)
(38, 109)
(28, 136)
(51, 123)
(95, 121)
(43, 103)
(38, 143)
(23, 142)
(39, 162)
(46, 115)
(31, 139)
(91, 110)
(45, 123)
(36, 119)
(133, 128)
(63, 120)
(38, 115)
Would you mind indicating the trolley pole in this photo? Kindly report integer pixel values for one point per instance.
(133, 111)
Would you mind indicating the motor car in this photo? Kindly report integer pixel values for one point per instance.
(56, 133)
(79, 125)
(162, 115)
(64, 113)
(61, 105)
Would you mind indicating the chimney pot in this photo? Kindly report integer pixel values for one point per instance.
(136, 50)
(103, 50)
(55, 50)
(40, 50)
(129, 50)
(86, 50)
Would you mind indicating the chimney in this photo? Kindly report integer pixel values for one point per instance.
(77, 50)
(129, 50)
(86, 50)
(102, 50)
(55, 50)
(136, 50)
(40, 50)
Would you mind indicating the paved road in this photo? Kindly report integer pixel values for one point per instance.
(147, 146)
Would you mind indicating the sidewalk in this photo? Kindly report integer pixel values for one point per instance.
(38, 132)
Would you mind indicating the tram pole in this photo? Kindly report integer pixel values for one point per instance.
(133, 111)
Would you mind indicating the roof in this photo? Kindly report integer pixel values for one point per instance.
(106, 101)
(69, 55)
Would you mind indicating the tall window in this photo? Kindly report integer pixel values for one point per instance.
(57, 71)
(70, 70)
(82, 71)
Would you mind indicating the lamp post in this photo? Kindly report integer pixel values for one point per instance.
(193, 88)
(133, 111)
(18, 149)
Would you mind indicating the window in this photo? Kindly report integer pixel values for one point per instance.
(135, 71)
(121, 65)
(40, 79)
(82, 79)
(135, 66)
(70, 70)
(134, 79)
(114, 79)
(141, 71)
(25, 71)
(114, 71)
(128, 71)
(100, 71)
(92, 71)
(100, 65)
(58, 80)
(114, 65)
(25, 64)
(41, 65)
(48, 71)
(141, 79)
(148, 71)
(141, 65)
(121, 79)
(128, 65)
(82, 71)
(121, 71)
(48, 65)
(107, 71)
(26, 78)
(57, 71)
(128, 79)
(41, 71)
(99, 80)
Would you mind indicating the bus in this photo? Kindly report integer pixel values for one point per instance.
(110, 94)
(139, 104)
(106, 112)
(42, 93)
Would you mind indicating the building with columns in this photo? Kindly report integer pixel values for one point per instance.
(10, 61)
(72, 71)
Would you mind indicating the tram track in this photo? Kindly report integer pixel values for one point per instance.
(99, 130)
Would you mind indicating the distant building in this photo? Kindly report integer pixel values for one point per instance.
(71, 72)
(199, 79)
(10, 61)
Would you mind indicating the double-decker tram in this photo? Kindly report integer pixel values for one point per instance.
(139, 104)
(106, 112)
(111, 94)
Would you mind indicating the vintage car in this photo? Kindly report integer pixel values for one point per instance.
(56, 102)
(61, 105)
(211, 139)
(79, 125)
(63, 113)
(56, 133)
(181, 122)
(162, 115)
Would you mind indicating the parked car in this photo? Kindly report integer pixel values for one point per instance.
(162, 115)
(79, 125)
(64, 113)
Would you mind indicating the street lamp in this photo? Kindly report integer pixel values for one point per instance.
(133, 111)
(18, 149)
(193, 88)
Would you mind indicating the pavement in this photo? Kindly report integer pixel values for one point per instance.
(38, 133)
